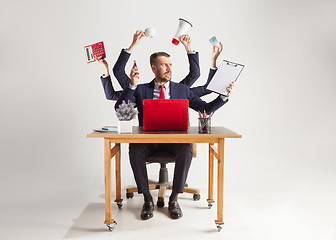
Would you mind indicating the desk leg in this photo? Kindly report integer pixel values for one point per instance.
(107, 168)
(220, 184)
(118, 199)
(211, 175)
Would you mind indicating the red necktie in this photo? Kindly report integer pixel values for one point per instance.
(162, 95)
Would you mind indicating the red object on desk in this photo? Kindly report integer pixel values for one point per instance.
(165, 114)
(92, 50)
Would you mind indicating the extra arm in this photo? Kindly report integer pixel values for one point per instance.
(119, 66)
(109, 91)
(196, 103)
(201, 90)
(119, 69)
(194, 69)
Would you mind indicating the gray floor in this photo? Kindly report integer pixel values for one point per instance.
(250, 212)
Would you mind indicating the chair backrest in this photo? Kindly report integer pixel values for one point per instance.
(167, 157)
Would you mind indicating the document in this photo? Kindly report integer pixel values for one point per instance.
(105, 129)
(227, 73)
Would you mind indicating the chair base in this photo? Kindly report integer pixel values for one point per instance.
(162, 187)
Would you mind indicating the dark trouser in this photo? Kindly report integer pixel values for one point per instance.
(139, 152)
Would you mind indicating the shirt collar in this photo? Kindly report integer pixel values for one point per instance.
(157, 86)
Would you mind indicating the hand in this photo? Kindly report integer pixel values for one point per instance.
(231, 88)
(103, 63)
(134, 75)
(186, 41)
(216, 51)
(136, 39)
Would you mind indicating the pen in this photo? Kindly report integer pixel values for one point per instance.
(199, 114)
(110, 128)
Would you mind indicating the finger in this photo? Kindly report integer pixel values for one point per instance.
(221, 46)
(135, 74)
(142, 34)
(98, 59)
(229, 89)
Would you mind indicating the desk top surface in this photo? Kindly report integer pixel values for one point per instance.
(191, 134)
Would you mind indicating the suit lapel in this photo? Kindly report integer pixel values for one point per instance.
(150, 90)
(172, 90)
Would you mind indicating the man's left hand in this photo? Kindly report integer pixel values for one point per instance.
(231, 88)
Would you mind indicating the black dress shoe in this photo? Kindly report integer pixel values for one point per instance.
(175, 210)
(147, 210)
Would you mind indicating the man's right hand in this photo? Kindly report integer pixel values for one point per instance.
(136, 39)
(134, 75)
(186, 41)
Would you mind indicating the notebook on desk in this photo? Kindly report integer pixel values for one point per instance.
(165, 114)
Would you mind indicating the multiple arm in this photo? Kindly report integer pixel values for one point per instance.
(109, 91)
(202, 90)
(125, 81)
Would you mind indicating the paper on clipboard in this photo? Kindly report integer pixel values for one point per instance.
(226, 73)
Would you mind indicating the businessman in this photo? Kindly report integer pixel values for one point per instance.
(124, 80)
(162, 87)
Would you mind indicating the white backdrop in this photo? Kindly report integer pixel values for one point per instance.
(284, 104)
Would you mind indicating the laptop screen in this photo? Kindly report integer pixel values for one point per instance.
(165, 114)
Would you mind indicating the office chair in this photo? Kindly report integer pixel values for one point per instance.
(163, 184)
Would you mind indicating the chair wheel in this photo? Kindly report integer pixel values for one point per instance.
(160, 204)
(111, 226)
(197, 197)
(119, 205)
(129, 195)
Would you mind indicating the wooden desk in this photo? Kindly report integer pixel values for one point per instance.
(217, 135)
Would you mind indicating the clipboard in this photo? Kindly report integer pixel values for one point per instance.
(226, 73)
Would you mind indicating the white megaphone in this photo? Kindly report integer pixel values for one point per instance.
(182, 29)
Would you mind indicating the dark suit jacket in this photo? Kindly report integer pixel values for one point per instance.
(124, 80)
(111, 94)
(109, 91)
(177, 91)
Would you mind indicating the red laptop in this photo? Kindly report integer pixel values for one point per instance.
(165, 114)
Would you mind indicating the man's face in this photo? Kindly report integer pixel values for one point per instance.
(163, 69)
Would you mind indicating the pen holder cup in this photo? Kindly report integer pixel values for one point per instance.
(204, 125)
